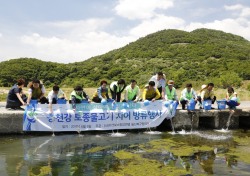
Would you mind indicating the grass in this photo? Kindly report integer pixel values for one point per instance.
(243, 93)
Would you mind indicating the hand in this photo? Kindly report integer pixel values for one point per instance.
(153, 100)
(24, 104)
(89, 100)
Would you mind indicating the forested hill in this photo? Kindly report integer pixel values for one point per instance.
(199, 56)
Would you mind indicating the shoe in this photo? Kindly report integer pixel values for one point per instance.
(212, 108)
(19, 108)
(201, 107)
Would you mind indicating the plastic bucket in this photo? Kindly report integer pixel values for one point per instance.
(33, 102)
(191, 105)
(221, 104)
(61, 101)
(84, 101)
(207, 104)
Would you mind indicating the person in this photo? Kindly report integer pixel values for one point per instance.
(116, 88)
(187, 94)
(36, 91)
(54, 96)
(150, 92)
(16, 98)
(171, 91)
(160, 83)
(132, 92)
(206, 93)
(77, 96)
(232, 98)
(101, 92)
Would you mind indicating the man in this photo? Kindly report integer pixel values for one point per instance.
(36, 92)
(116, 89)
(171, 91)
(207, 93)
(160, 83)
(186, 95)
(132, 92)
(54, 95)
(77, 96)
(150, 92)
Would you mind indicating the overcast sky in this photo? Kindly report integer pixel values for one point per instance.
(74, 30)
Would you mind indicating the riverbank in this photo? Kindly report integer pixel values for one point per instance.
(11, 121)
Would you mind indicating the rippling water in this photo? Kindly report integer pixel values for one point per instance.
(95, 153)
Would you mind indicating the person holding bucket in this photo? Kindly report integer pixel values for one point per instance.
(132, 92)
(206, 94)
(187, 95)
(232, 98)
(160, 83)
(55, 96)
(150, 92)
(171, 91)
(36, 92)
(102, 93)
(77, 96)
(116, 89)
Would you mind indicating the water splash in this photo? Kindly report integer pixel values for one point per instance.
(117, 134)
(223, 130)
(153, 132)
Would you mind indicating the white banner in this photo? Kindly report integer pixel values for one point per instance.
(96, 116)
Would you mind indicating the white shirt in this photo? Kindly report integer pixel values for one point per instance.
(52, 95)
(158, 83)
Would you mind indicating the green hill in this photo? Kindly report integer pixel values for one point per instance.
(199, 56)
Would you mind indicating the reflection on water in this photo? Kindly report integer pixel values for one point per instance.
(93, 154)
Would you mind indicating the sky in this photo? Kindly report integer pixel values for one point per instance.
(67, 31)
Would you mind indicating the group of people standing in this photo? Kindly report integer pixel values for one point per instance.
(157, 88)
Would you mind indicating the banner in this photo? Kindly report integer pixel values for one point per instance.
(95, 116)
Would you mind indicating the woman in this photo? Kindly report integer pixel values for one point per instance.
(77, 96)
(36, 92)
(101, 93)
(15, 97)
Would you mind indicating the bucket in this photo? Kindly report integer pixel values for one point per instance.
(207, 104)
(33, 102)
(191, 105)
(84, 101)
(61, 101)
(221, 104)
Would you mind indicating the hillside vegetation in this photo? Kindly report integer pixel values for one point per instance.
(200, 56)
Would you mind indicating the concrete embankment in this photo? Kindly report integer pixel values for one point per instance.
(11, 121)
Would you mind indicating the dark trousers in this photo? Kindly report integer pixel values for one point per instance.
(116, 96)
(16, 103)
(96, 100)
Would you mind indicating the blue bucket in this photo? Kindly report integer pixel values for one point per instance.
(207, 104)
(191, 105)
(61, 101)
(33, 102)
(84, 101)
(221, 104)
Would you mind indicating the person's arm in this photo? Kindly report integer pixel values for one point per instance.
(144, 94)
(107, 93)
(183, 95)
(202, 95)
(29, 96)
(99, 92)
(175, 95)
(20, 98)
(158, 95)
(86, 96)
(126, 94)
(114, 92)
(43, 92)
(50, 107)
(138, 93)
